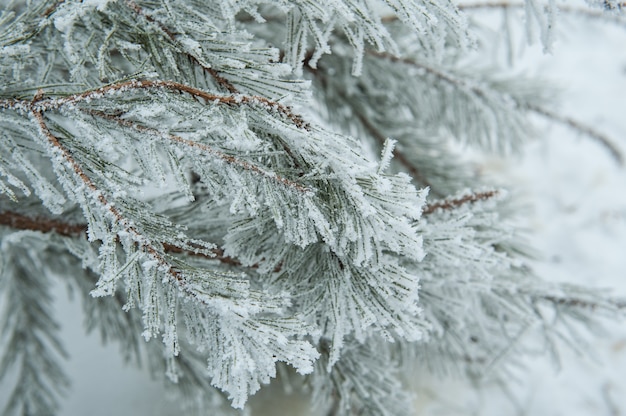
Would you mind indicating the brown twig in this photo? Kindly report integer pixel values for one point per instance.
(44, 225)
(233, 100)
(223, 82)
(205, 148)
(450, 204)
(515, 5)
(40, 105)
(53, 8)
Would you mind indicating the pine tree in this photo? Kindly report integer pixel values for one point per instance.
(240, 188)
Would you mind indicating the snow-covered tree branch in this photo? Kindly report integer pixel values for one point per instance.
(251, 184)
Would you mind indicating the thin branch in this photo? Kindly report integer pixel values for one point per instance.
(450, 204)
(44, 225)
(581, 303)
(489, 5)
(41, 105)
(587, 12)
(586, 130)
(223, 82)
(232, 100)
(399, 156)
(53, 8)
(598, 14)
(205, 148)
(479, 92)
(449, 79)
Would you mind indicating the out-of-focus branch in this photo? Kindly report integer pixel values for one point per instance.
(461, 84)
(449, 204)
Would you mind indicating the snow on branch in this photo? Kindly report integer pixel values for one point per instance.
(44, 225)
(204, 148)
(43, 104)
(206, 289)
(366, 200)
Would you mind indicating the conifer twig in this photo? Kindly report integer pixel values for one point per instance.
(450, 204)
(178, 87)
(53, 8)
(232, 100)
(479, 92)
(580, 303)
(205, 148)
(44, 225)
(223, 82)
(399, 156)
(564, 8)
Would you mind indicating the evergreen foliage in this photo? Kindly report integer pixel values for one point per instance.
(253, 184)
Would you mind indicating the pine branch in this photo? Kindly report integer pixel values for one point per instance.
(53, 8)
(29, 332)
(250, 314)
(43, 225)
(18, 221)
(399, 156)
(342, 251)
(41, 104)
(176, 277)
(364, 382)
(208, 150)
(422, 149)
(480, 92)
